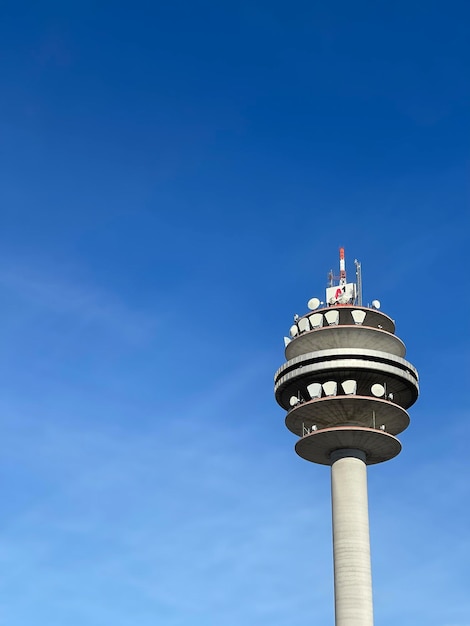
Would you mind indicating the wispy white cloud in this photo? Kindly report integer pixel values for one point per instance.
(86, 304)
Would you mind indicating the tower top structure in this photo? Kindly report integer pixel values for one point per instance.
(346, 382)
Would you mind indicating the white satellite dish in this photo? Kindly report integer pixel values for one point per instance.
(378, 390)
(376, 304)
(332, 317)
(349, 387)
(330, 388)
(313, 304)
(314, 390)
(294, 400)
(304, 324)
(316, 320)
(358, 317)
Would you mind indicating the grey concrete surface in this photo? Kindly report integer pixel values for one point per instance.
(351, 542)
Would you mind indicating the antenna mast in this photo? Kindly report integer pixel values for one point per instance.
(358, 282)
(342, 271)
(342, 268)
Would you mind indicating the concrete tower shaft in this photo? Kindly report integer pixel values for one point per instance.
(351, 543)
(346, 387)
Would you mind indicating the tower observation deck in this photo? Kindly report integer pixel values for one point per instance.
(346, 387)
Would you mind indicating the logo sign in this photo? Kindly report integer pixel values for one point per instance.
(341, 294)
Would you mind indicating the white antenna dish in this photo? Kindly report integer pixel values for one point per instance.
(304, 324)
(314, 390)
(378, 390)
(349, 387)
(332, 317)
(358, 316)
(376, 304)
(316, 320)
(313, 304)
(330, 388)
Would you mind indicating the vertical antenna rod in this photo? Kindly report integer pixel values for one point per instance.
(358, 282)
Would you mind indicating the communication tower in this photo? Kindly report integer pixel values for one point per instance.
(346, 387)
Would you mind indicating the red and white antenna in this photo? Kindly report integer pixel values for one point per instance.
(342, 267)
(343, 293)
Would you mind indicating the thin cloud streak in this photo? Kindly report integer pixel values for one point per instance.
(84, 303)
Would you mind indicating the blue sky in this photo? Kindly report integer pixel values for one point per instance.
(176, 180)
